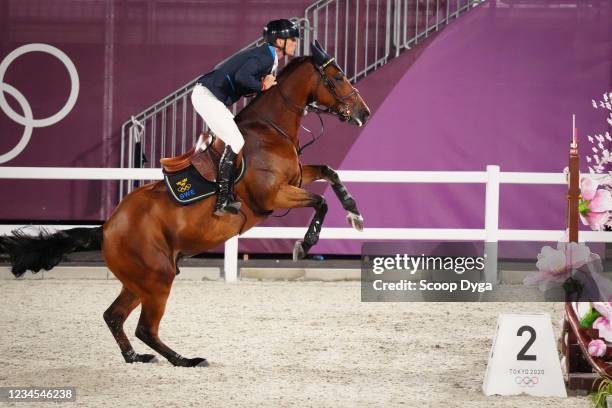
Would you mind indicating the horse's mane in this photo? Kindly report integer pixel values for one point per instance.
(291, 66)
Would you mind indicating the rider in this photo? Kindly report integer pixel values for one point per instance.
(247, 72)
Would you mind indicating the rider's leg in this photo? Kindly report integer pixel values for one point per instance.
(226, 202)
(221, 121)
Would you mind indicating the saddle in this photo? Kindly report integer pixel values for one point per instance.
(192, 176)
(204, 156)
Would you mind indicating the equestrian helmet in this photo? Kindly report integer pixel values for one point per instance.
(282, 28)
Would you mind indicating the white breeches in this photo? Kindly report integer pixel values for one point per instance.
(217, 116)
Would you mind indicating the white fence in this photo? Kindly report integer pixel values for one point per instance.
(492, 177)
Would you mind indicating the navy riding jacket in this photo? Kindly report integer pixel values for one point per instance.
(241, 75)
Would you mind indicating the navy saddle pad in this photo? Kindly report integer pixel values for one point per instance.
(188, 186)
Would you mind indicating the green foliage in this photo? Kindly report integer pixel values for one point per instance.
(583, 207)
(587, 321)
(604, 390)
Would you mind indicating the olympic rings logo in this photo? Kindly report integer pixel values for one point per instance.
(183, 185)
(526, 381)
(27, 120)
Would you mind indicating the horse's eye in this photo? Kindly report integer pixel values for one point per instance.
(339, 77)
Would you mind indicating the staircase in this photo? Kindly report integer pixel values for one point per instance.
(363, 35)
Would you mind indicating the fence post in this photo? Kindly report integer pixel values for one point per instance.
(491, 224)
(395, 28)
(573, 192)
(230, 260)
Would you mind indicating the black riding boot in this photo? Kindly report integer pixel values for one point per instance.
(225, 194)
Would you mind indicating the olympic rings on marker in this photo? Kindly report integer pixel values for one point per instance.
(27, 120)
(526, 381)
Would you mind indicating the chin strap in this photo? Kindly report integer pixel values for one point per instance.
(284, 46)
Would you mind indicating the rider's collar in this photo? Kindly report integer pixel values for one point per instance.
(272, 50)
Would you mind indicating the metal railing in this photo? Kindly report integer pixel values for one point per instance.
(357, 33)
(361, 34)
(417, 19)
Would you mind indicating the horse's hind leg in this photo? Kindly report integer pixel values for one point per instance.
(324, 172)
(115, 316)
(294, 197)
(153, 307)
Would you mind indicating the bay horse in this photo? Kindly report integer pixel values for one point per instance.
(148, 231)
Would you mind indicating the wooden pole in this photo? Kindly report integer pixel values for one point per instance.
(570, 342)
(573, 193)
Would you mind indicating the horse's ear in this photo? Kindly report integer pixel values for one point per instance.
(321, 58)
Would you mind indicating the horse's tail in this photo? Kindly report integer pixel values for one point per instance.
(45, 250)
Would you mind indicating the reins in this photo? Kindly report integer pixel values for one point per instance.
(343, 113)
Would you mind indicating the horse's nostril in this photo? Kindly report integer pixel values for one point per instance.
(365, 115)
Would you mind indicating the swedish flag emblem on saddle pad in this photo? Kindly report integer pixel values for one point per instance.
(188, 186)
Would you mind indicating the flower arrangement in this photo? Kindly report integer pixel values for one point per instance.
(597, 316)
(571, 264)
(556, 266)
(596, 204)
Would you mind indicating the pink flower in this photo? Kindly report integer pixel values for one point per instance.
(595, 204)
(595, 220)
(602, 201)
(556, 265)
(605, 329)
(597, 348)
(604, 308)
(588, 187)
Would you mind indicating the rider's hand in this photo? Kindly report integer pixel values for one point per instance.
(268, 82)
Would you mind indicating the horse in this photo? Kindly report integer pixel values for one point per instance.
(148, 232)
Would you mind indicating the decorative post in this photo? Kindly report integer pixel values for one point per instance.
(573, 193)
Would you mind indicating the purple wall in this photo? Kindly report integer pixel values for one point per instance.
(131, 52)
(497, 86)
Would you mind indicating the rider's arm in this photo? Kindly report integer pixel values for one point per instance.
(247, 75)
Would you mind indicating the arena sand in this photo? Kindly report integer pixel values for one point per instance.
(275, 344)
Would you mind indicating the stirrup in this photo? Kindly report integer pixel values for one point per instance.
(226, 202)
(228, 208)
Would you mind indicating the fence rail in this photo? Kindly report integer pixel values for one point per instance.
(490, 233)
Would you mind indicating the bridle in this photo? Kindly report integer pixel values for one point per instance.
(343, 112)
(345, 109)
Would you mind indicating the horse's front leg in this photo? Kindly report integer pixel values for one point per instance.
(324, 172)
(295, 197)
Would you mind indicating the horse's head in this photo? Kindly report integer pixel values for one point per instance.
(334, 90)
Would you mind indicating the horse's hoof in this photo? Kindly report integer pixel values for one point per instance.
(147, 358)
(141, 358)
(298, 251)
(198, 362)
(355, 220)
(189, 362)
